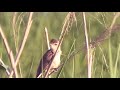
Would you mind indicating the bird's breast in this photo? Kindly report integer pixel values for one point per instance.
(56, 61)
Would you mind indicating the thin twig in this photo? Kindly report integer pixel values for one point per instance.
(24, 40)
(9, 51)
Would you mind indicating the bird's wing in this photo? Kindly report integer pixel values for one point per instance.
(45, 61)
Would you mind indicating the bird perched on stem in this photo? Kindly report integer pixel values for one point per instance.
(47, 58)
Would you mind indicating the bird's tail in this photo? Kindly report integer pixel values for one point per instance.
(39, 71)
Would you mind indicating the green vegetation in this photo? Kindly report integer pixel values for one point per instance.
(106, 55)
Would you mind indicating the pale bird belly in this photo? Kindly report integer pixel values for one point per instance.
(56, 61)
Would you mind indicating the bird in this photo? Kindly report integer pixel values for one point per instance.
(48, 57)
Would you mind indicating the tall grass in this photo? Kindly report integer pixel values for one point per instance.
(14, 61)
(113, 66)
(86, 40)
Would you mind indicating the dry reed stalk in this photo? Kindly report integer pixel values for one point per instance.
(91, 58)
(67, 24)
(23, 41)
(9, 52)
(47, 38)
(14, 28)
(87, 44)
(90, 63)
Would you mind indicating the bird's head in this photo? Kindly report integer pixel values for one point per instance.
(54, 44)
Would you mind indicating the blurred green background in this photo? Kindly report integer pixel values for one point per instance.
(36, 45)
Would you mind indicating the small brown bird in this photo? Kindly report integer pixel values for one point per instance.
(48, 56)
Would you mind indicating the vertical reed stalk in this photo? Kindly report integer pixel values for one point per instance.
(47, 38)
(87, 44)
